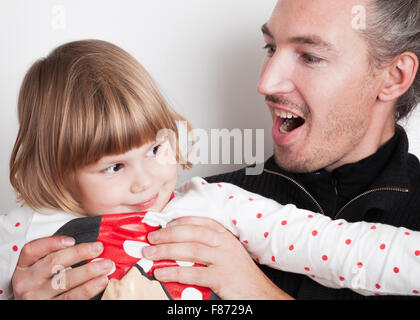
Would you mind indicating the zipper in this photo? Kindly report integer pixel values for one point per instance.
(391, 189)
(300, 186)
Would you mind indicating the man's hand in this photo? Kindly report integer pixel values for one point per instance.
(230, 271)
(37, 272)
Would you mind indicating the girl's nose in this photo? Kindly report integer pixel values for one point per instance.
(141, 181)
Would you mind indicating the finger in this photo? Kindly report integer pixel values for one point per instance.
(38, 249)
(73, 278)
(186, 233)
(67, 257)
(85, 291)
(199, 221)
(187, 275)
(194, 252)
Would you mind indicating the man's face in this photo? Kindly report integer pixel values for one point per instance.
(317, 73)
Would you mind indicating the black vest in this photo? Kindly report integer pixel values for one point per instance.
(383, 188)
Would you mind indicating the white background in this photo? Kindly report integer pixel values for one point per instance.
(204, 55)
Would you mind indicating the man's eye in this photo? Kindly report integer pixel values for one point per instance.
(270, 49)
(114, 168)
(310, 59)
(152, 152)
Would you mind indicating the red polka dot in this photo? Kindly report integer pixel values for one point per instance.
(203, 183)
(291, 247)
(1, 291)
(325, 257)
(273, 258)
(307, 269)
(17, 224)
(234, 222)
(348, 241)
(284, 222)
(310, 216)
(259, 215)
(219, 185)
(417, 252)
(373, 227)
(342, 278)
(396, 270)
(312, 275)
(265, 234)
(245, 241)
(258, 260)
(250, 199)
(15, 248)
(382, 246)
(314, 233)
(378, 286)
(340, 224)
(407, 233)
(359, 265)
(415, 292)
(231, 197)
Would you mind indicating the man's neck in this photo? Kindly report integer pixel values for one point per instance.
(375, 137)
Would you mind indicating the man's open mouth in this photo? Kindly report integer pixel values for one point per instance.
(288, 121)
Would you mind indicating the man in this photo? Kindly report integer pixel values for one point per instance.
(341, 153)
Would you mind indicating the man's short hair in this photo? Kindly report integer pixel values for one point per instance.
(393, 27)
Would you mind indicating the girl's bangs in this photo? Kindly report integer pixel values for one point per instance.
(122, 127)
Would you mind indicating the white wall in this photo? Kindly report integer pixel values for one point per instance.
(205, 56)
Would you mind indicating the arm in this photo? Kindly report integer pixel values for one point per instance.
(367, 258)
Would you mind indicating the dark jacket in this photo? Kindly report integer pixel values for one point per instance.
(384, 188)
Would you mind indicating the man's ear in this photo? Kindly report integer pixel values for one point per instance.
(399, 76)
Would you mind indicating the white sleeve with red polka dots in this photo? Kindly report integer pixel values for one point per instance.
(369, 258)
(18, 227)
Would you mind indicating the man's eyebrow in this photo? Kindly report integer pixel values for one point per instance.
(266, 31)
(314, 41)
(311, 40)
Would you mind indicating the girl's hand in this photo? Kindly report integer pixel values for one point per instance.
(36, 275)
(230, 271)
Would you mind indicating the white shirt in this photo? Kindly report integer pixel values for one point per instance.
(369, 258)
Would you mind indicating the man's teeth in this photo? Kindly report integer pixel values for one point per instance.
(285, 115)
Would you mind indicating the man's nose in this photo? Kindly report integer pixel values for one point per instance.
(276, 75)
(141, 180)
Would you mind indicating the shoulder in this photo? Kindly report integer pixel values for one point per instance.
(268, 181)
(15, 223)
(413, 168)
(14, 227)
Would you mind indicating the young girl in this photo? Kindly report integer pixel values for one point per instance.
(90, 144)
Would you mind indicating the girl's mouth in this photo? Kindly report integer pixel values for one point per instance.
(146, 204)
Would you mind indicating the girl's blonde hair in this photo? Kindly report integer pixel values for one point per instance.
(85, 100)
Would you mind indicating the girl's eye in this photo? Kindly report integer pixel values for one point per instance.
(114, 168)
(310, 59)
(270, 49)
(152, 152)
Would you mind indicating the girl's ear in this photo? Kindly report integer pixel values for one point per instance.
(399, 76)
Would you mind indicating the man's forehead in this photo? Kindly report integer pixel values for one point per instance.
(319, 23)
